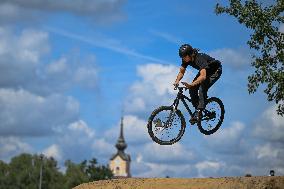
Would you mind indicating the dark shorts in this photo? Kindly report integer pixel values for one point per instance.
(199, 93)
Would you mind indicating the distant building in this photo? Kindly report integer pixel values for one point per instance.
(120, 162)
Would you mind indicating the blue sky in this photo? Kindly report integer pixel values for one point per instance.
(70, 70)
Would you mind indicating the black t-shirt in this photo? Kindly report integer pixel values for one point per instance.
(203, 61)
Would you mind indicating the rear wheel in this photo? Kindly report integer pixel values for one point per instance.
(213, 116)
(166, 125)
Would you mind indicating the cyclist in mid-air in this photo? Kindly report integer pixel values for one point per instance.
(210, 71)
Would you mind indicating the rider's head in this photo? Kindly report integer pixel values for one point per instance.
(186, 52)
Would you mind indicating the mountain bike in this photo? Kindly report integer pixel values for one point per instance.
(166, 125)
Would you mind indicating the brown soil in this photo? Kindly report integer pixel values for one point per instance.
(261, 182)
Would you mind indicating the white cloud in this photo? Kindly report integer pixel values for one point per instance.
(22, 65)
(57, 67)
(208, 168)
(145, 170)
(77, 132)
(135, 130)
(8, 10)
(20, 56)
(25, 114)
(27, 47)
(13, 10)
(166, 160)
(81, 127)
(11, 146)
(270, 126)
(269, 155)
(228, 140)
(79, 142)
(67, 72)
(33, 100)
(230, 133)
(142, 167)
(86, 76)
(136, 104)
(255, 149)
(103, 148)
(160, 76)
(268, 129)
(32, 45)
(271, 115)
(238, 59)
(154, 89)
(139, 158)
(174, 154)
(53, 151)
(266, 151)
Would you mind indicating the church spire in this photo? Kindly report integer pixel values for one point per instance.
(121, 145)
(120, 162)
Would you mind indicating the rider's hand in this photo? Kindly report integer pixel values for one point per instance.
(187, 84)
(176, 84)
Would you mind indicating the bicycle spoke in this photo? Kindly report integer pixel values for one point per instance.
(212, 115)
(166, 125)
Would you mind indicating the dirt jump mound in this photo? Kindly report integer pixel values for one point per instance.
(261, 182)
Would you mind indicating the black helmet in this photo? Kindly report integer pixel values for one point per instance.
(185, 49)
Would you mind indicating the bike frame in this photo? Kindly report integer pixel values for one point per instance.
(182, 97)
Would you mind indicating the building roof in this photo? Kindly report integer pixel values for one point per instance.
(124, 156)
(121, 146)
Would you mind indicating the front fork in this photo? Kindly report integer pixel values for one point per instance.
(173, 111)
(176, 103)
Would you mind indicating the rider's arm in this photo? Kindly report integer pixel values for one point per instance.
(201, 78)
(180, 74)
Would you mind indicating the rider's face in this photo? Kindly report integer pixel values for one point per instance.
(186, 58)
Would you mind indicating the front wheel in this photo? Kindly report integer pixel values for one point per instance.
(213, 116)
(166, 125)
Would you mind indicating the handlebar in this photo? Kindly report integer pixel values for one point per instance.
(180, 88)
(176, 86)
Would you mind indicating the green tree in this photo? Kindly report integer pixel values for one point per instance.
(267, 40)
(98, 172)
(52, 177)
(83, 172)
(23, 173)
(75, 174)
(4, 170)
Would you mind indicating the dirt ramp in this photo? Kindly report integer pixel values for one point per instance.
(195, 183)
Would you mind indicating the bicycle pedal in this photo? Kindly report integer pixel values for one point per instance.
(192, 122)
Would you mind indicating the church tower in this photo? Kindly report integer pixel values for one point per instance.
(120, 162)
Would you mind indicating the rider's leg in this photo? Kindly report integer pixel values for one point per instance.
(202, 90)
(195, 101)
(215, 76)
(204, 86)
(194, 93)
(194, 96)
(199, 93)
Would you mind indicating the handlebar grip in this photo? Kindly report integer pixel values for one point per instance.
(176, 86)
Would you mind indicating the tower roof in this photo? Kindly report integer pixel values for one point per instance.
(121, 145)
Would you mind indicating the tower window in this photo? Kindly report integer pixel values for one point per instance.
(117, 170)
